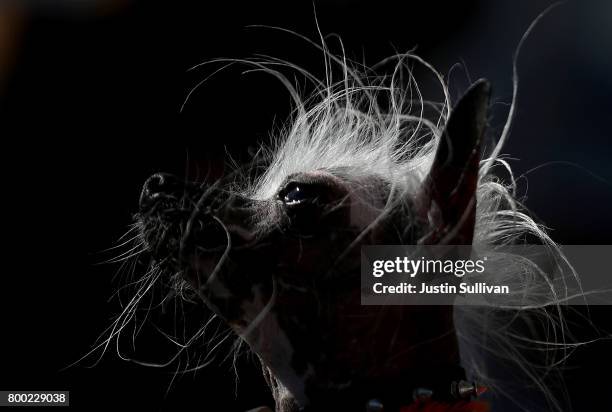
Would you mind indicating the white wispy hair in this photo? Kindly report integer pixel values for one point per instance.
(349, 129)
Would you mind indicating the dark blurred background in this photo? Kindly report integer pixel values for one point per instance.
(90, 99)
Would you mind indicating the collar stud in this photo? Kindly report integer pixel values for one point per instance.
(374, 405)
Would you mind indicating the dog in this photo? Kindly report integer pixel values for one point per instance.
(278, 257)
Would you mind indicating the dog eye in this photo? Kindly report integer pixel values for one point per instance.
(297, 193)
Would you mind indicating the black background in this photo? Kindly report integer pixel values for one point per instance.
(91, 107)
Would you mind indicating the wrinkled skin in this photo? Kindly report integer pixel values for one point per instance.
(284, 272)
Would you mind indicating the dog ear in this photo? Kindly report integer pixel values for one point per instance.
(447, 199)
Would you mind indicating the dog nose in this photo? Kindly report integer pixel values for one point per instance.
(159, 185)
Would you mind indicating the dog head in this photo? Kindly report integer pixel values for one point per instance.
(280, 264)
